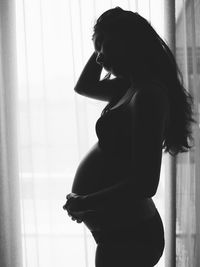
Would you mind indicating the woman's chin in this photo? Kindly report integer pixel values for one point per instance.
(106, 68)
(116, 72)
(113, 70)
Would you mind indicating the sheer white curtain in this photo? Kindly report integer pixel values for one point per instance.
(55, 125)
(188, 172)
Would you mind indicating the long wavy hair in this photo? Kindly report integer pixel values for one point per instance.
(149, 56)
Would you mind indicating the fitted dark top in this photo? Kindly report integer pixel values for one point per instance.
(113, 130)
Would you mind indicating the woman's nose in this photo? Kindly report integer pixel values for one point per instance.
(99, 58)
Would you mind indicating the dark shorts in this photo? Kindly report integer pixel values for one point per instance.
(149, 232)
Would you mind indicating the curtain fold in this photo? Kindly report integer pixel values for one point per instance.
(188, 172)
(10, 213)
(55, 126)
(170, 163)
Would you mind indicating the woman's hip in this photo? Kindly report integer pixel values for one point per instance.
(149, 232)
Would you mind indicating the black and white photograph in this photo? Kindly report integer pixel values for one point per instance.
(99, 133)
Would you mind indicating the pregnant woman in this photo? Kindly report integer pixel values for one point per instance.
(148, 112)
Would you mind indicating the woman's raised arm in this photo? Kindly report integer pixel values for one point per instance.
(90, 75)
(90, 85)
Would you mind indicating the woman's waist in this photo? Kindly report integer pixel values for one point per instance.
(131, 212)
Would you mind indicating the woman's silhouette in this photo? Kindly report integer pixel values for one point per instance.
(148, 111)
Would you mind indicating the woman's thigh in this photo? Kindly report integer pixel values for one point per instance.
(125, 255)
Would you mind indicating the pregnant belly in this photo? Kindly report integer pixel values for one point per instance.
(97, 171)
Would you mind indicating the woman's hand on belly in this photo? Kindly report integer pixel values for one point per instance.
(80, 216)
(75, 207)
(74, 203)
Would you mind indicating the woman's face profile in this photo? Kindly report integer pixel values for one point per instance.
(104, 50)
(110, 53)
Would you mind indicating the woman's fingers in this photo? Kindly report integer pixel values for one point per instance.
(78, 220)
(76, 216)
(73, 206)
(69, 199)
(71, 195)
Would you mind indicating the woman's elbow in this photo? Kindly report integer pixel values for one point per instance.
(151, 190)
(151, 193)
(77, 89)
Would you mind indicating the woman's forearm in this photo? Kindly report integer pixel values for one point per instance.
(116, 195)
(90, 75)
(105, 197)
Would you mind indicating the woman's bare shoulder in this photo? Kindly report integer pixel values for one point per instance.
(150, 104)
(151, 94)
